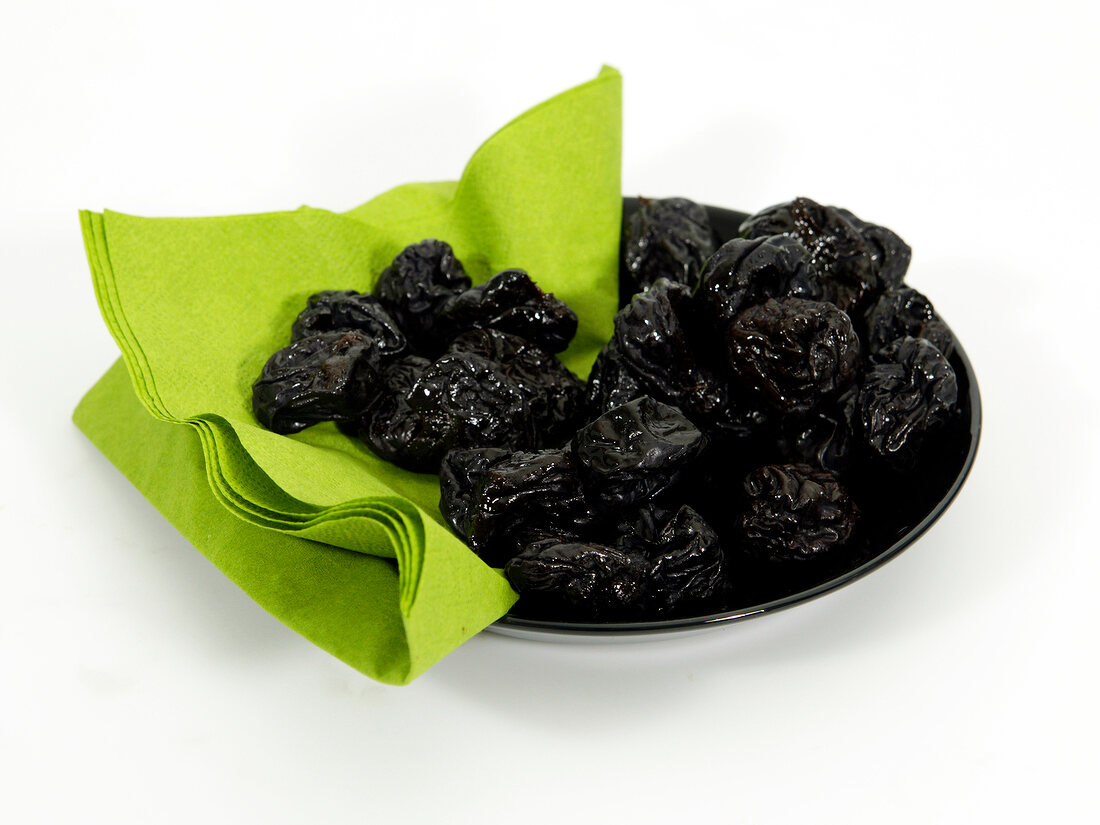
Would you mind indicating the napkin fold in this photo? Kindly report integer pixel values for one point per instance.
(340, 545)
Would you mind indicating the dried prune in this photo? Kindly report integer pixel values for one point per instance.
(458, 401)
(651, 353)
(611, 383)
(747, 271)
(500, 502)
(579, 580)
(741, 419)
(901, 312)
(393, 431)
(796, 513)
(828, 438)
(420, 281)
(331, 376)
(638, 529)
(666, 238)
(890, 255)
(908, 392)
(389, 404)
(793, 353)
(458, 475)
(678, 565)
(635, 452)
(688, 567)
(399, 375)
(651, 339)
(348, 309)
(837, 248)
(554, 394)
(511, 302)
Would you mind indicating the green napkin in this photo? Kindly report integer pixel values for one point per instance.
(343, 547)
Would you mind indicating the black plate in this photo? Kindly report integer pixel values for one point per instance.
(908, 507)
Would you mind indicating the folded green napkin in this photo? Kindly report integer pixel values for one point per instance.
(343, 547)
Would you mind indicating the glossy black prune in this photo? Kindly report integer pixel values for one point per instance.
(678, 566)
(747, 271)
(331, 376)
(796, 513)
(399, 375)
(740, 418)
(909, 391)
(458, 401)
(638, 529)
(793, 354)
(651, 353)
(511, 302)
(635, 452)
(651, 339)
(901, 312)
(580, 581)
(415, 287)
(827, 438)
(666, 238)
(610, 383)
(458, 475)
(838, 251)
(388, 404)
(500, 501)
(348, 309)
(890, 255)
(687, 566)
(554, 394)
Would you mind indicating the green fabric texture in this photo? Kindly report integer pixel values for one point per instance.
(314, 526)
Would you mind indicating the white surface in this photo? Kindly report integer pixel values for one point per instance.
(957, 684)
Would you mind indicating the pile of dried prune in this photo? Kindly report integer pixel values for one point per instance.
(767, 412)
(429, 363)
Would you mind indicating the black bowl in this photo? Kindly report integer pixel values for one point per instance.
(905, 508)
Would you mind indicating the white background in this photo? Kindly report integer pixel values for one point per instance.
(957, 684)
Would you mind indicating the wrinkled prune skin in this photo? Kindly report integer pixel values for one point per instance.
(554, 394)
(331, 376)
(610, 383)
(793, 354)
(394, 432)
(742, 418)
(666, 238)
(459, 401)
(511, 302)
(909, 391)
(580, 581)
(649, 335)
(399, 376)
(348, 309)
(415, 287)
(651, 353)
(651, 341)
(458, 475)
(389, 405)
(688, 565)
(501, 502)
(635, 452)
(796, 513)
(638, 529)
(890, 255)
(902, 312)
(838, 251)
(747, 271)
(828, 438)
